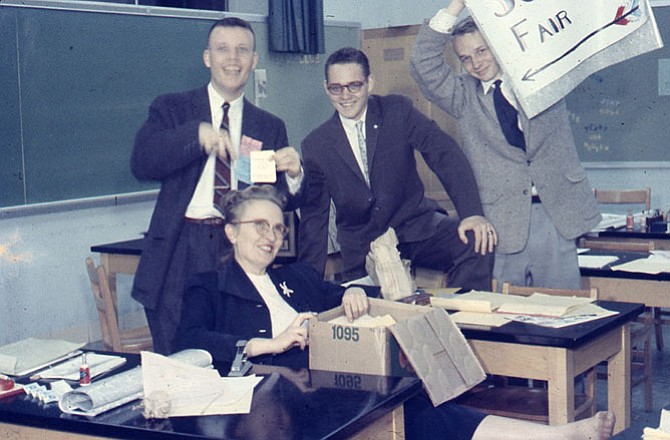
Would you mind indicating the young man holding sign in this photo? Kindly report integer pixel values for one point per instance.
(532, 186)
(199, 144)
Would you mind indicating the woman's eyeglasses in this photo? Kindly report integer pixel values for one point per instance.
(263, 227)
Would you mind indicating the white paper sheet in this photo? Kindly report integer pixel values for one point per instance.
(661, 255)
(595, 261)
(173, 388)
(650, 266)
(365, 321)
(263, 166)
(589, 312)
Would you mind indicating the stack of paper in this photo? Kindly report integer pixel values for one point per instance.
(488, 309)
(474, 301)
(540, 304)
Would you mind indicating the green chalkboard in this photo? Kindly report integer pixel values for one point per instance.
(77, 85)
(622, 113)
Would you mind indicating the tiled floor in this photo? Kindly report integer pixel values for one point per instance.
(661, 392)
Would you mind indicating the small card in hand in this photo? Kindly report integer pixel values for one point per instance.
(263, 166)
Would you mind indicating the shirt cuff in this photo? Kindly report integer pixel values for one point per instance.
(442, 22)
(294, 183)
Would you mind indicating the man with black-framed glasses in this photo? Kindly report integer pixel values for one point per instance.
(363, 159)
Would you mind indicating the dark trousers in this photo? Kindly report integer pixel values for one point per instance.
(423, 421)
(200, 248)
(445, 251)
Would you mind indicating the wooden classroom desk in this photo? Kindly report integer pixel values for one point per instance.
(559, 355)
(653, 290)
(302, 405)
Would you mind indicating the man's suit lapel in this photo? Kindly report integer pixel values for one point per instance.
(373, 122)
(202, 112)
(200, 105)
(250, 123)
(342, 147)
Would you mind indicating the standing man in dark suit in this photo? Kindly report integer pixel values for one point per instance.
(363, 159)
(179, 145)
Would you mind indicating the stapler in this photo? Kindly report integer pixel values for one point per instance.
(241, 365)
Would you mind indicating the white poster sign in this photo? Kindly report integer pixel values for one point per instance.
(547, 47)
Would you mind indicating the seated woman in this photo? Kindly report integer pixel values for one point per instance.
(247, 299)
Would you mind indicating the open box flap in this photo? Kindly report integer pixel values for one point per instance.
(439, 354)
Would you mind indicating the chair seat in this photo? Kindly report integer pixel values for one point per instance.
(518, 402)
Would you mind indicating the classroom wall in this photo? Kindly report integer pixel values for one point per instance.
(43, 283)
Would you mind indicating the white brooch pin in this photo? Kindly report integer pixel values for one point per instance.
(285, 289)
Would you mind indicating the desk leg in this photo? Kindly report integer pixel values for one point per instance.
(618, 382)
(561, 388)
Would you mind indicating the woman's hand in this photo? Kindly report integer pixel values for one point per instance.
(355, 303)
(294, 336)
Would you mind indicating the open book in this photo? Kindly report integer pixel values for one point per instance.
(28, 355)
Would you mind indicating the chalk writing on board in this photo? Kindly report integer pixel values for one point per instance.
(609, 107)
(593, 132)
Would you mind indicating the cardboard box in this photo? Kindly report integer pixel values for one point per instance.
(423, 341)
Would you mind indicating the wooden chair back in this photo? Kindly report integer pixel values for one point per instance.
(630, 246)
(511, 289)
(124, 341)
(624, 196)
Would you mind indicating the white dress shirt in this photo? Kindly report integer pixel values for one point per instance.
(282, 314)
(202, 201)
